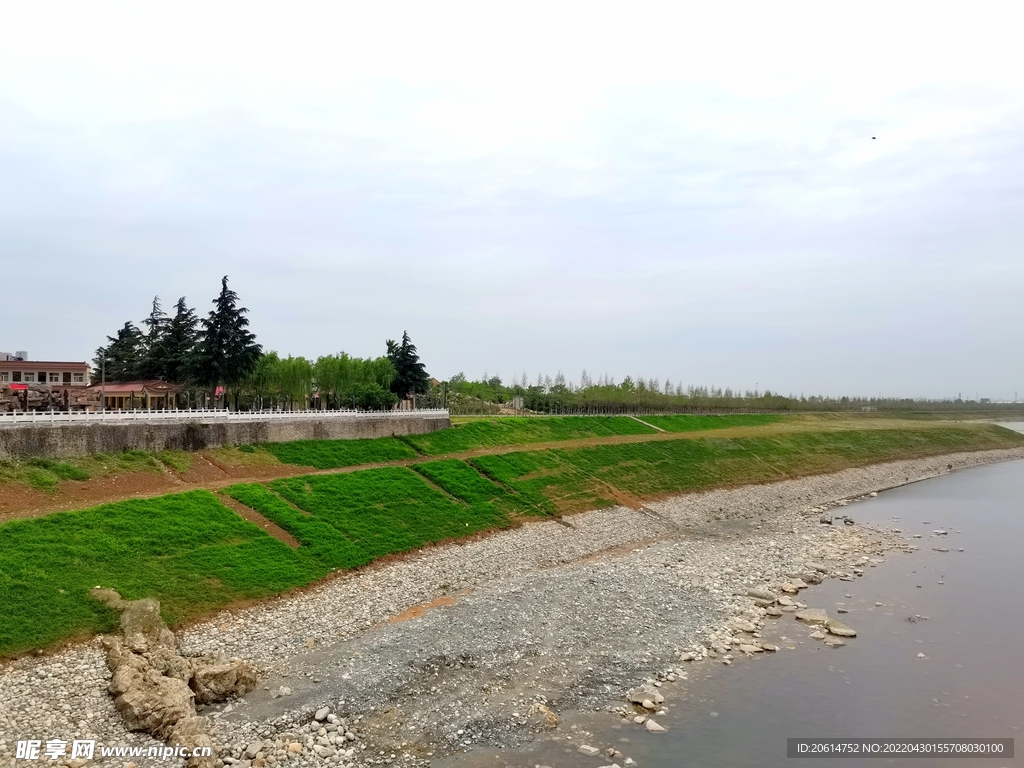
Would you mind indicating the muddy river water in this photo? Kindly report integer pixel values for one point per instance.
(938, 651)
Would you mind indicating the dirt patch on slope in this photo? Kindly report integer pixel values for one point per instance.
(268, 525)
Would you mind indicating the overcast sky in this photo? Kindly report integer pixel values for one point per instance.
(629, 189)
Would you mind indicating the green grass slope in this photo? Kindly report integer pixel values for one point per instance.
(334, 454)
(558, 481)
(349, 520)
(523, 431)
(691, 423)
(195, 555)
(187, 550)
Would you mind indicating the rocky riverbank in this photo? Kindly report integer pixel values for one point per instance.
(488, 642)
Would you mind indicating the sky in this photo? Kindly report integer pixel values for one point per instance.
(815, 198)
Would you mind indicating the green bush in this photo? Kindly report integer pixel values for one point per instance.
(371, 396)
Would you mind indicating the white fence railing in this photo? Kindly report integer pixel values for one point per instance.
(207, 415)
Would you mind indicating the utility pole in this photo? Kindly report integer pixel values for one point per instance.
(103, 382)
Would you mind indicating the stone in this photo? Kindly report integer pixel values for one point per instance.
(785, 600)
(744, 626)
(818, 635)
(150, 702)
(144, 629)
(550, 719)
(640, 719)
(772, 611)
(295, 748)
(648, 704)
(645, 693)
(652, 727)
(834, 642)
(789, 609)
(761, 594)
(253, 749)
(191, 732)
(589, 751)
(921, 656)
(744, 648)
(155, 690)
(798, 583)
(819, 567)
(838, 628)
(825, 519)
(321, 714)
(812, 616)
(215, 678)
(789, 589)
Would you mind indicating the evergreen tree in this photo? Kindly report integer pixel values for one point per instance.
(227, 351)
(179, 343)
(154, 359)
(123, 355)
(411, 376)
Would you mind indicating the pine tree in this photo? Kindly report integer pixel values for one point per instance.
(227, 351)
(411, 374)
(123, 355)
(179, 343)
(154, 360)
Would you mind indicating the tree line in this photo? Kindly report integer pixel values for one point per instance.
(219, 354)
(557, 395)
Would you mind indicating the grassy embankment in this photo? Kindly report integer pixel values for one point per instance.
(45, 474)
(494, 433)
(196, 556)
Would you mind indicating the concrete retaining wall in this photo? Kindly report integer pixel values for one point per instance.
(52, 441)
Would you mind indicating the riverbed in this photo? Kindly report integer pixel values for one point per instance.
(937, 652)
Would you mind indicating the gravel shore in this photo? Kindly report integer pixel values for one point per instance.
(550, 617)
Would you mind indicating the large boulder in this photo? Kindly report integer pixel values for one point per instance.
(191, 732)
(154, 703)
(144, 629)
(215, 678)
(155, 688)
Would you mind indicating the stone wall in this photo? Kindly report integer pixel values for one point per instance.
(57, 440)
